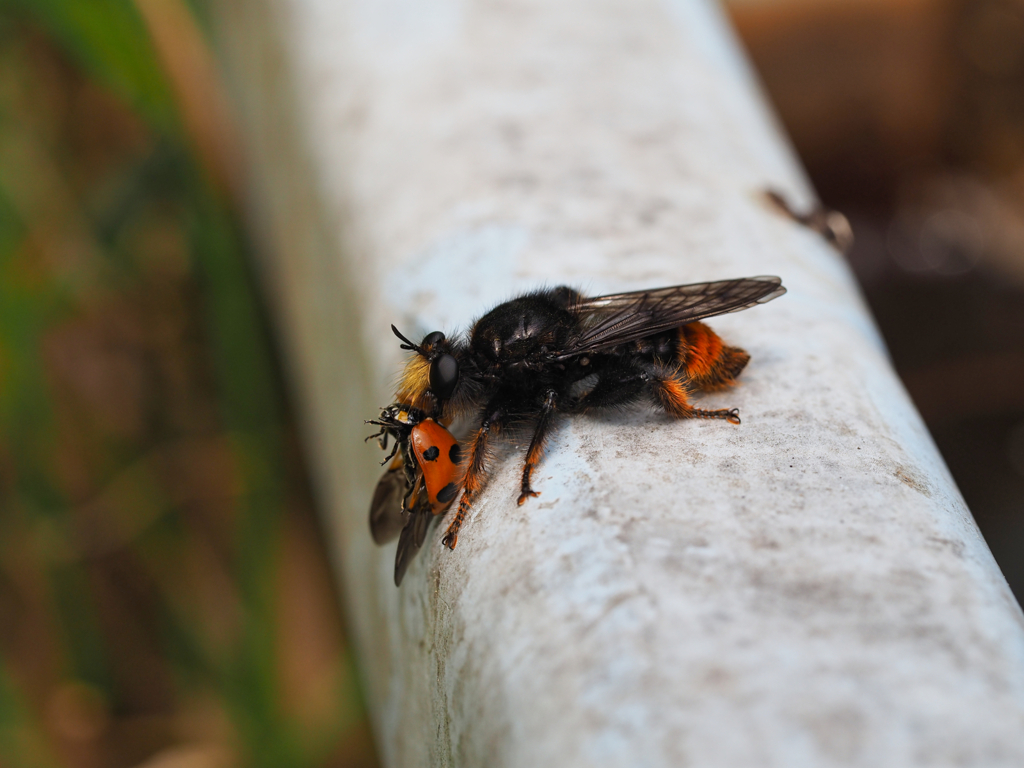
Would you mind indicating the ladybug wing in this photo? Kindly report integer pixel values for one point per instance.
(387, 518)
(619, 318)
(413, 535)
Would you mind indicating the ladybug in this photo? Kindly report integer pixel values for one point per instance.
(422, 480)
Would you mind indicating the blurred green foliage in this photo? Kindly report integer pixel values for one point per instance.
(155, 533)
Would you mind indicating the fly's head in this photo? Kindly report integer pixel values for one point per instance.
(432, 377)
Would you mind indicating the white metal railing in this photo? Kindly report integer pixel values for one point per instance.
(805, 589)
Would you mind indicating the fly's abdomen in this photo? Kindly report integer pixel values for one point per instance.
(709, 363)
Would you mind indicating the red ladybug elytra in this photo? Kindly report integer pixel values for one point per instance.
(422, 481)
(438, 455)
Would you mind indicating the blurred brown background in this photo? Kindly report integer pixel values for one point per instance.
(909, 117)
(165, 597)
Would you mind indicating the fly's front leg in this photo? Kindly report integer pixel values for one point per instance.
(537, 446)
(476, 474)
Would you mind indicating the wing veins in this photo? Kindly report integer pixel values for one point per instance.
(626, 317)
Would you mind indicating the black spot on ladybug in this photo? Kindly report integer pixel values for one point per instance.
(432, 453)
(447, 493)
(455, 453)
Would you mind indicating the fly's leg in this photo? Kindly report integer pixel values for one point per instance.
(625, 385)
(476, 474)
(673, 396)
(537, 446)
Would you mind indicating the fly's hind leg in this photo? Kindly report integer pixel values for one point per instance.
(476, 474)
(626, 385)
(673, 396)
(537, 446)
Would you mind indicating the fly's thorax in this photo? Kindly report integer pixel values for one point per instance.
(524, 329)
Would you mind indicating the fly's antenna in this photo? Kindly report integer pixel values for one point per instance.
(408, 344)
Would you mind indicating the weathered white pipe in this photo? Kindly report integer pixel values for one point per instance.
(807, 589)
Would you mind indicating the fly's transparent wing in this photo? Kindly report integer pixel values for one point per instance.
(619, 318)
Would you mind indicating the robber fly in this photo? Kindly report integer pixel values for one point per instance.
(556, 351)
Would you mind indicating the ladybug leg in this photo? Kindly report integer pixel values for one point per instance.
(412, 476)
(384, 445)
(537, 446)
(673, 395)
(476, 472)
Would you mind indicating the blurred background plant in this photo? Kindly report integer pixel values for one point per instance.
(165, 598)
(164, 593)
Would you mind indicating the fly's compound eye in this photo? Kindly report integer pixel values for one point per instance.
(444, 375)
(432, 338)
